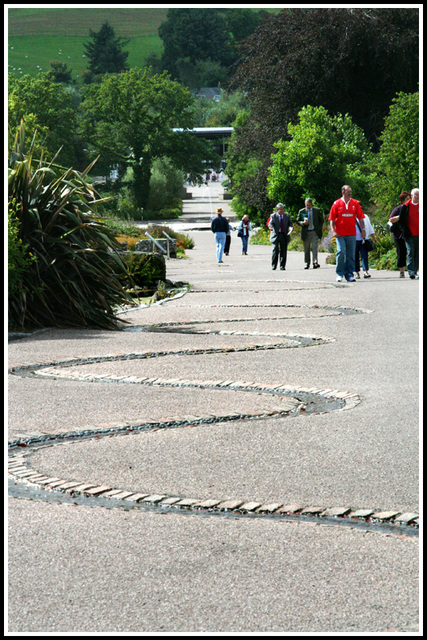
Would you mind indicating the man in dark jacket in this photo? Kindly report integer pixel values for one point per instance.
(310, 219)
(219, 227)
(280, 230)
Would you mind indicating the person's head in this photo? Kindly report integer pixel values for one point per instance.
(404, 197)
(415, 193)
(245, 218)
(219, 211)
(280, 207)
(346, 192)
(308, 203)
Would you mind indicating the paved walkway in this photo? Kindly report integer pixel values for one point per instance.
(269, 480)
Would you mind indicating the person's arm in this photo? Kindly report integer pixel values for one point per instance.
(361, 221)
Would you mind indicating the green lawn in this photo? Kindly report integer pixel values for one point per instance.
(37, 36)
(30, 51)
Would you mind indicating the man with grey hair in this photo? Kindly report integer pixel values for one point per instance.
(310, 219)
(409, 222)
(280, 230)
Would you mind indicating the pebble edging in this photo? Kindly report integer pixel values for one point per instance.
(19, 470)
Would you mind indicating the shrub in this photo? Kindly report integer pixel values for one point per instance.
(145, 270)
(73, 282)
(19, 257)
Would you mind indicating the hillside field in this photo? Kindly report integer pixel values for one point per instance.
(37, 36)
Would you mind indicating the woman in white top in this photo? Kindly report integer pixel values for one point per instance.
(361, 249)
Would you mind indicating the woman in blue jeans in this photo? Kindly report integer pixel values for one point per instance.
(244, 229)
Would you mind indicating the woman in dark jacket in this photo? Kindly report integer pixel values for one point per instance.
(399, 241)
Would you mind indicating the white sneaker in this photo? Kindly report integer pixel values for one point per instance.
(339, 278)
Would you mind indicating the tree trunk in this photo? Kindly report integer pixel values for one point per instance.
(141, 182)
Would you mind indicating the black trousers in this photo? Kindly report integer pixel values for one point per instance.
(401, 252)
(227, 243)
(280, 247)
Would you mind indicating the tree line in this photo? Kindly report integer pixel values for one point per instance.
(316, 97)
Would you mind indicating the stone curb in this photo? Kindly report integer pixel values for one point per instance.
(19, 470)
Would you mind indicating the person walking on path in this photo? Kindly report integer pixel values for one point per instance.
(219, 227)
(361, 250)
(280, 230)
(228, 238)
(409, 221)
(342, 216)
(243, 231)
(396, 232)
(310, 219)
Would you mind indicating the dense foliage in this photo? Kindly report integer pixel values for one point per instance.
(351, 61)
(130, 118)
(51, 107)
(323, 153)
(396, 167)
(200, 43)
(72, 281)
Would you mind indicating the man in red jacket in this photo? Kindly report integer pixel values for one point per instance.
(409, 222)
(342, 217)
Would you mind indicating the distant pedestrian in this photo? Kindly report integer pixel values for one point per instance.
(228, 238)
(397, 234)
(409, 221)
(221, 175)
(219, 227)
(280, 231)
(342, 216)
(243, 231)
(310, 219)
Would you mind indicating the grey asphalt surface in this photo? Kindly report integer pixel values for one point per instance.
(78, 568)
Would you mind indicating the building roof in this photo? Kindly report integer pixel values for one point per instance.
(207, 92)
(208, 132)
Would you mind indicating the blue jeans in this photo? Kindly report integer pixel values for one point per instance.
(361, 250)
(412, 258)
(220, 243)
(245, 244)
(346, 253)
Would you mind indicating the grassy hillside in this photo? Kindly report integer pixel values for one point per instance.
(37, 36)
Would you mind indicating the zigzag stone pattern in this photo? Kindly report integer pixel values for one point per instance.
(293, 401)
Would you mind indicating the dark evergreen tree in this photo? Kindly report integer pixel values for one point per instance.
(105, 53)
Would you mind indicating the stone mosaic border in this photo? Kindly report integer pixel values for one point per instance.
(19, 470)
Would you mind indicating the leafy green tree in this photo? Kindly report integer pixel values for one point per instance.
(396, 167)
(50, 106)
(59, 72)
(324, 153)
(105, 53)
(129, 118)
(194, 36)
(242, 22)
(209, 113)
(247, 171)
